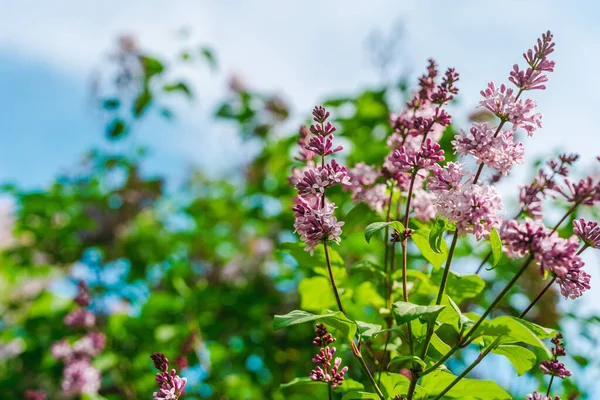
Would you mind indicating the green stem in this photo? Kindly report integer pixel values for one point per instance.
(550, 385)
(330, 270)
(329, 391)
(498, 298)
(492, 346)
(355, 349)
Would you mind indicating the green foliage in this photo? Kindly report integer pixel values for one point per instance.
(375, 227)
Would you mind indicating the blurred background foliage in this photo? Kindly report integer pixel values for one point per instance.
(198, 271)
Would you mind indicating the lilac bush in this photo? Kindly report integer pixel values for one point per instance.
(436, 197)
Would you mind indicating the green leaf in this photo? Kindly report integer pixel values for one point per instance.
(111, 104)
(306, 389)
(436, 235)
(356, 395)
(164, 333)
(401, 360)
(335, 319)
(496, 244)
(460, 287)
(317, 262)
(453, 316)
(394, 384)
(116, 129)
(179, 87)
(466, 388)
(316, 294)
(375, 227)
(406, 312)
(438, 346)
(367, 330)
(152, 66)
(142, 101)
(521, 358)
(209, 56)
(366, 265)
(421, 239)
(515, 330)
(358, 217)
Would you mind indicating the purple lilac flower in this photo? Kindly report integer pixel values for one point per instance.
(474, 208)
(540, 396)
(35, 395)
(423, 205)
(80, 318)
(497, 151)
(316, 224)
(532, 78)
(412, 160)
(532, 195)
(447, 178)
(555, 367)
(325, 371)
(171, 385)
(586, 191)
(314, 219)
(79, 376)
(553, 253)
(588, 232)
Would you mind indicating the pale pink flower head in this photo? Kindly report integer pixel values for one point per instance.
(474, 208)
(540, 396)
(61, 350)
(80, 318)
(79, 376)
(423, 205)
(35, 395)
(412, 160)
(503, 103)
(588, 232)
(316, 225)
(586, 191)
(90, 345)
(521, 238)
(449, 177)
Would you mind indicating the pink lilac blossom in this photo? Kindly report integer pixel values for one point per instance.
(325, 372)
(588, 232)
(423, 205)
(35, 395)
(316, 225)
(79, 376)
(363, 188)
(411, 160)
(540, 396)
(503, 103)
(531, 196)
(80, 318)
(554, 253)
(532, 77)
(474, 208)
(446, 178)
(555, 367)
(586, 191)
(314, 219)
(315, 181)
(171, 385)
(497, 151)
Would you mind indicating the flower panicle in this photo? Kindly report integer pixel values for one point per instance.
(326, 371)
(314, 214)
(170, 385)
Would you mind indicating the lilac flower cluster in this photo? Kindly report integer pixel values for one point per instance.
(555, 367)
(553, 253)
(325, 371)
(490, 145)
(531, 196)
(171, 386)
(588, 232)
(364, 188)
(79, 375)
(35, 395)
(314, 215)
(474, 208)
(540, 396)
